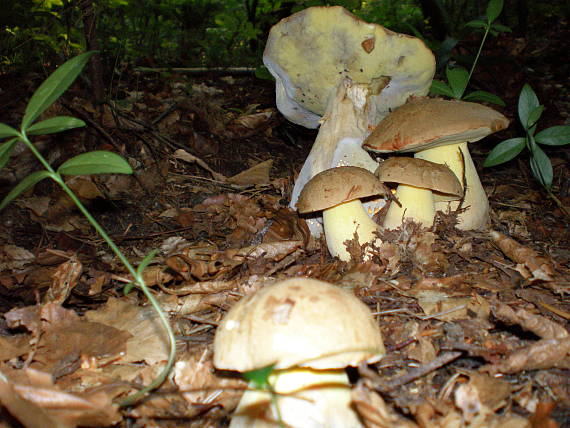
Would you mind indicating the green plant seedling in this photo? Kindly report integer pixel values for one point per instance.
(96, 162)
(529, 112)
(458, 77)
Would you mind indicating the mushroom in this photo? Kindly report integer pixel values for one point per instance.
(337, 71)
(309, 331)
(438, 131)
(420, 184)
(337, 193)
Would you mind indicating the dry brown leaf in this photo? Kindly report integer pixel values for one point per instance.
(13, 257)
(539, 325)
(187, 157)
(540, 267)
(64, 280)
(32, 398)
(149, 341)
(543, 354)
(257, 174)
(374, 411)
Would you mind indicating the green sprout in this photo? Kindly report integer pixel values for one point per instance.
(96, 162)
(458, 77)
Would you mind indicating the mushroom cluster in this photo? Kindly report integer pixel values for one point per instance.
(349, 77)
(309, 331)
(438, 130)
(337, 71)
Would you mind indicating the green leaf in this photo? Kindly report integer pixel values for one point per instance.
(8, 131)
(260, 378)
(97, 162)
(6, 151)
(476, 23)
(24, 185)
(541, 167)
(505, 151)
(440, 88)
(458, 78)
(534, 115)
(554, 136)
(146, 261)
(55, 124)
(52, 88)
(494, 9)
(484, 96)
(500, 28)
(528, 101)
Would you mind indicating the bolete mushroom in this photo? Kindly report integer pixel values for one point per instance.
(438, 131)
(337, 192)
(420, 184)
(309, 331)
(334, 70)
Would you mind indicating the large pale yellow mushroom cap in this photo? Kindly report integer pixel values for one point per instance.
(297, 322)
(312, 51)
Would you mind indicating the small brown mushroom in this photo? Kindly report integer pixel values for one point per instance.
(337, 192)
(420, 184)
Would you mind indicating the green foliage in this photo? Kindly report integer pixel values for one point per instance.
(457, 77)
(97, 162)
(529, 112)
(259, 379)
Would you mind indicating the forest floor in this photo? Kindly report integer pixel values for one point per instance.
(476, 324)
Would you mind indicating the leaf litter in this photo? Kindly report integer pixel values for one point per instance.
(475, 323)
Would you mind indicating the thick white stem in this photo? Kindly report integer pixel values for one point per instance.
(347, 119)
(309, 399)
(475, 201)
(342, 222)
(417, 205)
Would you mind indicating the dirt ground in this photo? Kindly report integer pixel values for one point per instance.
(483, 313)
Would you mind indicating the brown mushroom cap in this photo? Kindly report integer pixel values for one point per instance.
(337, 185)
(297, 322)
(420, 173)
(429, 122)
(311, 52)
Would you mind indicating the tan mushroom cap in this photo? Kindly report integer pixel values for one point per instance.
(311, 52)
(297, 322)
(423, 174)
(338, 185)
(429, 122)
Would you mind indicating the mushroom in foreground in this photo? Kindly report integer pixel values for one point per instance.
(310, 331)
(438, 131)
(420, 184)
(337, 71)
(337, 193)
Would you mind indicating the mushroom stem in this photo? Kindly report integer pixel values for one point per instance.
(475, 200)
(339, 140)
(305, 398)
(342, 222)
(417, 205)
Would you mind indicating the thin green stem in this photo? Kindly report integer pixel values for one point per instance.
(479, 52)
(137, 277)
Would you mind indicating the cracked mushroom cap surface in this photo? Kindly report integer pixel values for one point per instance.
(423, 123)
(297, 322)
(338, 185)
(421, 173)
(312, 51)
